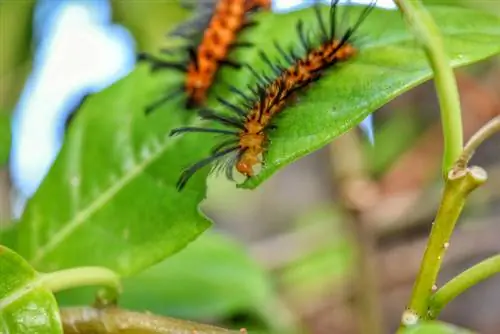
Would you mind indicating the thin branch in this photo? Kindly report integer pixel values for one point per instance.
(486, 131)
(462, 282)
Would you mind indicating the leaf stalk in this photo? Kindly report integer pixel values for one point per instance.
(85, 276)
(428, 34)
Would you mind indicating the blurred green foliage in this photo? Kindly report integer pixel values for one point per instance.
(327, 263)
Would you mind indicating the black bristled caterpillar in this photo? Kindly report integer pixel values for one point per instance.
(204, 60)
(246, 129)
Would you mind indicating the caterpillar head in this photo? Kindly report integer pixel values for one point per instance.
(249, 160)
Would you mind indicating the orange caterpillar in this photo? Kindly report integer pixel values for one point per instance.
(247, 128)
(229, 18)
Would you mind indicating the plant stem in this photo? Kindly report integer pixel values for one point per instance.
(457, 187)
(427, 33)
(84, 276)
(486, 131)
(462, 282)
(77, 320)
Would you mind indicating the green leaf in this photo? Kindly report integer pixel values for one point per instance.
(435, 327)
(5, 138)
(110, 198)
(212, 278)
(25, 305)
(389, 63)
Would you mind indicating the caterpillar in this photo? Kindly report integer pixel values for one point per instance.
(246, 128)
(228, 19)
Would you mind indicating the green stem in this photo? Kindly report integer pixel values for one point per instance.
(84, 276)
(462, 282)
(457, 187)
(428, 35)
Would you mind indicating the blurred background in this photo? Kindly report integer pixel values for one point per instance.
(356, 213)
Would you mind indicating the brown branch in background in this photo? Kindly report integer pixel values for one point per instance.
(357, 195)
(112, 320)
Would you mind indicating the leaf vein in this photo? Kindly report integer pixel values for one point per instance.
(69, 227)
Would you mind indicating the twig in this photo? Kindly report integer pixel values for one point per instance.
(462, 282)
(112, 320)
(485, 132)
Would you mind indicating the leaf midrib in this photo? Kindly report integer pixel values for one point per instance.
(21, 291)
(82, 216)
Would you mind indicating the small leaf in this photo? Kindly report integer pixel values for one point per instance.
(5, 138)
(25, 305)
(435, 327)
